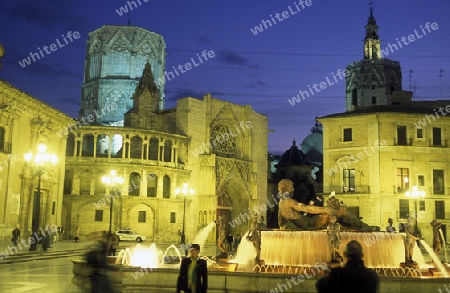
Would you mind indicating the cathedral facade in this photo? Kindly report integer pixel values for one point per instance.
(218, 148)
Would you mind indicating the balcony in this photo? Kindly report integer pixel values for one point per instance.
(438, 143)
(5, 147)
(403, 142)
(428, 190)
(363, 189)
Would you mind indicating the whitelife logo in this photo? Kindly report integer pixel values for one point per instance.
(37, 56)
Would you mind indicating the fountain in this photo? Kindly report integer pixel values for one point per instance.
(285, 255)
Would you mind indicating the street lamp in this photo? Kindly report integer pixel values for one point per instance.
(113, 182)
(39, 163)
(184, 190)
(415, 194)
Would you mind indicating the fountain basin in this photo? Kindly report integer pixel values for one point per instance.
(133, 279)
(381, 249)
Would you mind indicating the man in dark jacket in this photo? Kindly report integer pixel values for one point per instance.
(193, 276)
(354, 277)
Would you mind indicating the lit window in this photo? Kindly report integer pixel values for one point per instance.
(402, 179)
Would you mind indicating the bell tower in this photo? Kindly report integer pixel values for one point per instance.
(372, 80)
(372, 48)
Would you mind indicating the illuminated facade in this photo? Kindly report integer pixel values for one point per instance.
(372, 80)
(218, 148)
(381, 149)
(115, 60)
(23, 125)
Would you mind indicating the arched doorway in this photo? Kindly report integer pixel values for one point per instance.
(233, 216)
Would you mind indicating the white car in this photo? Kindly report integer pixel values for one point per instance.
(128, 235)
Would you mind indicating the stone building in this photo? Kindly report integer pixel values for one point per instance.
(375, 154)
(218, 148)
(115, 59)
(26, 122)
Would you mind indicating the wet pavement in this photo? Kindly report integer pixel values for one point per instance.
(44, 275)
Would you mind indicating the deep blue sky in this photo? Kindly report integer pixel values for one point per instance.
(263, 70)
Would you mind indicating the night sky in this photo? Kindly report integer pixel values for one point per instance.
(264, 70)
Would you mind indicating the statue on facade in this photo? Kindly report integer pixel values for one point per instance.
(291, 213)
(410, 242)
(437, 247)
(334, 231)
(254, 236)
(221, 235)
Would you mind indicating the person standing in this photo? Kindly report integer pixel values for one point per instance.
(390, 227)
(15, 236)
(354, 277)
(40, 242)
(193, 277)
(113, 243)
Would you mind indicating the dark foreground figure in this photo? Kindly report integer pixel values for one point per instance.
(97, 260)
(354, 277)
(193, 276)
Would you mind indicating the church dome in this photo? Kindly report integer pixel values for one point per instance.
(293, 157)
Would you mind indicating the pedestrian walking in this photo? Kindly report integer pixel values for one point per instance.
(15, 236)
(40, 242)
(96, 258)
(354, 277)
(113, 243)
(193, 277)
(61, 232)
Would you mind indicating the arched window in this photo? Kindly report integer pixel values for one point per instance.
(88, 146)
(85, 182)
(103, 141)
(100, 187)
(374, 100)
(134, 185)
(152, 185)
(70, 146)
(166, 187)
(153, 152)
(136, 147)
(168, 151)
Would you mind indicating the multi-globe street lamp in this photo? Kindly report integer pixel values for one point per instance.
(114, 184)
(415, 194)
(185, 190)
(39, 163)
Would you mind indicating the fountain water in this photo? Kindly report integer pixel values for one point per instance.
(435, 258)
(444, 244)
(245, 256)
(381, 249)
(203, 234)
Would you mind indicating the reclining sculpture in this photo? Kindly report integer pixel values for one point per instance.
(291, 213)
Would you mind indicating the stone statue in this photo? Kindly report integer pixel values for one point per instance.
(254, 236)
(291, 213)
(410, 242)
(436, 239)
(334, 231)
(222, 236)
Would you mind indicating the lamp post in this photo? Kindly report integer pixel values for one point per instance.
(415, 194)
(39, 163)
(185, 191)
(113, 182)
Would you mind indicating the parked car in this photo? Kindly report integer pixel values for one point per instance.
(128, 235)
